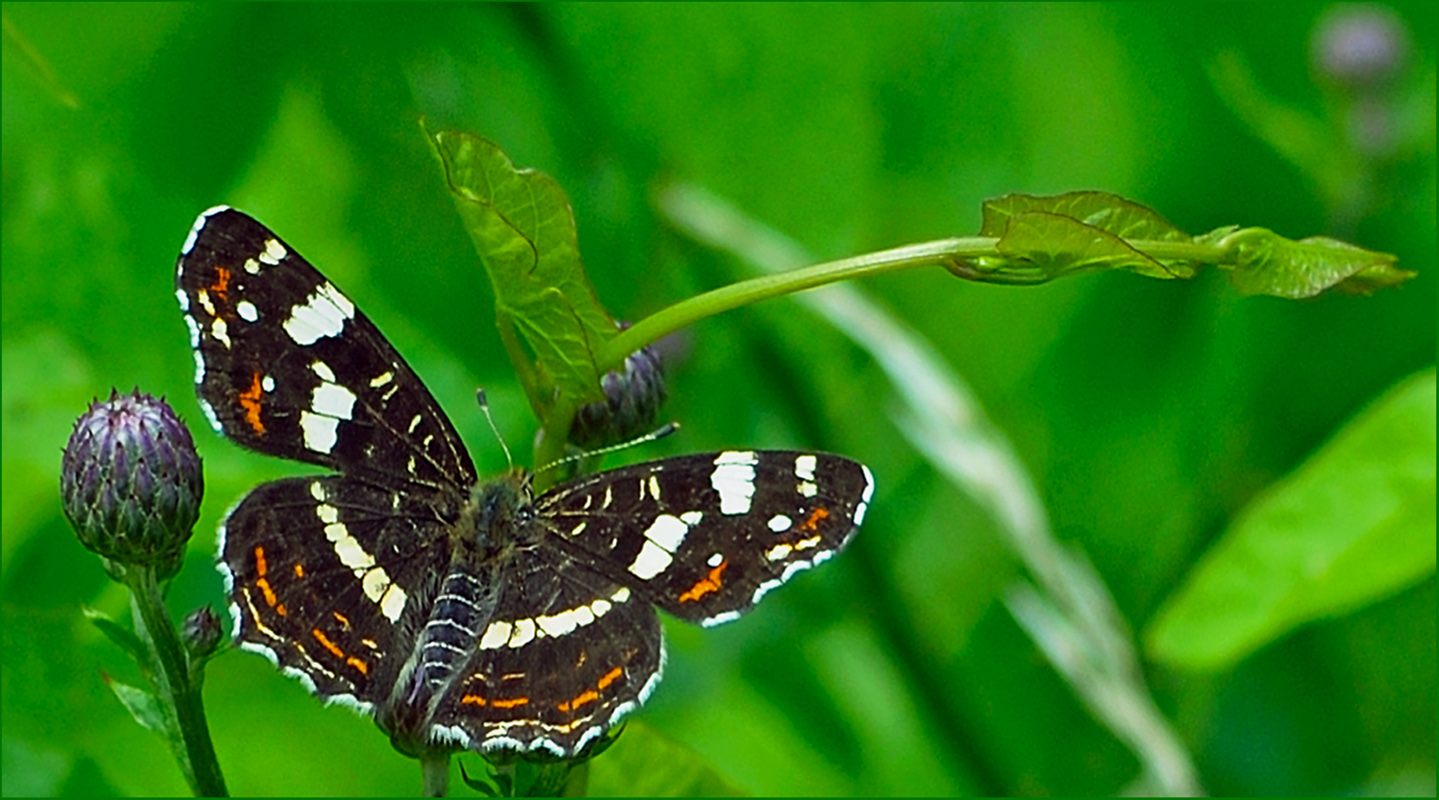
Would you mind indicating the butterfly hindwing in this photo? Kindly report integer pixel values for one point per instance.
(324, 575)
(566, 654)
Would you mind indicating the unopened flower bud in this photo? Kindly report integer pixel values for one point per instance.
(632, 402)
(201, 631)
(131, 483)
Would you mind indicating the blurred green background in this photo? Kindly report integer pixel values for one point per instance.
(1148, 412)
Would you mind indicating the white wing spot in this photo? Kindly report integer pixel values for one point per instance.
(779, 552)
(496, 635)
(195, 229)
(194, 331)
(733, 479)
(524, 631)
(864, 499)
(333, 400)
(804, 467)
(247, 311)
(320, 431)
(668, 532)
(221, 332)
(323, 371)
(274, 251)
(373, 578)
(779, 523)
(651, 561)
(323, 314)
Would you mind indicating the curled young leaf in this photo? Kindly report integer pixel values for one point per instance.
(1042, 238)
(1267, 263)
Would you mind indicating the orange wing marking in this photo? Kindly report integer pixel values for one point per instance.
(250, 401)
(710, 583)
(221, 286)
(334, 648)
(263, 583)
(815, 518)
(587, 696)
(511, 703)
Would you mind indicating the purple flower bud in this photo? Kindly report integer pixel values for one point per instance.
(201, 631)
(632, 401)
(131, 482)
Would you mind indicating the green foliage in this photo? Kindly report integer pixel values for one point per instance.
(524, 230)
(1352, 525)
(1079, 231)
(1270, 264)
(1151, 414)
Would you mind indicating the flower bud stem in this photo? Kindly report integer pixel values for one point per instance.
(176, 690)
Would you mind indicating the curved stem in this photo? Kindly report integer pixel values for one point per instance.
(942, 252)
(175, 687)
(953, 254)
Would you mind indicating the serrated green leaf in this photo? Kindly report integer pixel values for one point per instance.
(1076, 231)
(523, 226)
(141, 704)
(1353, 524)
(1271, 264)
(121, 636)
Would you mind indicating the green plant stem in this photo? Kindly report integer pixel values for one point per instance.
(687, 312)
(953, 254)
(176, 690)
(435, 774)
(551, 447)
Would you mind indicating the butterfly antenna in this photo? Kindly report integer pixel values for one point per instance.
(658, 433)
(485, 407)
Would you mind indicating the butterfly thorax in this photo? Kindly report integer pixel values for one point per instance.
(496, 517)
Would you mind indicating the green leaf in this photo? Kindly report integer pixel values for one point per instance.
(523, 226)
(1353, 524)
(1108, 212)
(1078, 231)
(141, 704)
(121, 636)
(1271, 264)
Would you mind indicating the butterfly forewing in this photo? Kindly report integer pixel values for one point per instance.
(704, 537)
(286, 365)
(462, 614)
